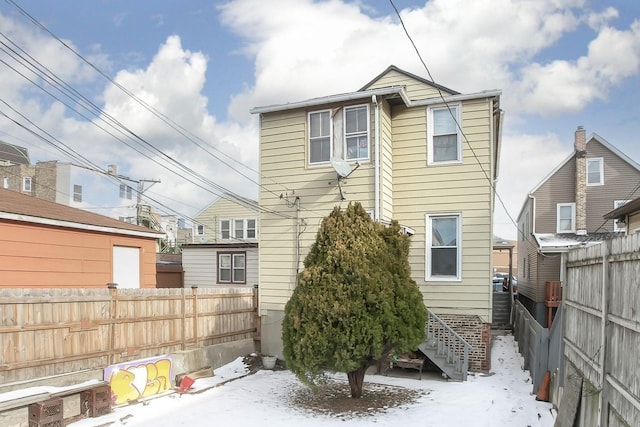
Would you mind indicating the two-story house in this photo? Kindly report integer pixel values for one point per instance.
(564, 211)
(408, 150)
(224, 251)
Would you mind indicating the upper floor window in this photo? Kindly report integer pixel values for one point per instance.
(356, 129)
(238, 228)
(443, 247)
(125, 192)
(200, 230)
(77, 193)
(566, 218)
(619, 226)
(341, 134)
(26, 183)
(319, 136)
(444, 139)
(5, 183)
(595, 171)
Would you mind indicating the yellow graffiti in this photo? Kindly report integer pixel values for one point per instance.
(130, 383)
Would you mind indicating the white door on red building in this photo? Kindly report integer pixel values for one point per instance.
(126, 267)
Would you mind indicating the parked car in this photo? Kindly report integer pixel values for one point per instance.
(500, 282)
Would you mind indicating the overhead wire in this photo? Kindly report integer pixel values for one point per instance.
(437, 87)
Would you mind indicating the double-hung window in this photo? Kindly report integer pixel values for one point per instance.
(566, 218)
(320, 136)
(77, 193)
(232, 267)
(443, 252)
(343, 133)
(26, 184)
(595, 171)
(444, 139)
(356, 123)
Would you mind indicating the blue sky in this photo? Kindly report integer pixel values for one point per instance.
(205, 64)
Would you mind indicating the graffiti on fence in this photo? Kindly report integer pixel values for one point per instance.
(133, 380)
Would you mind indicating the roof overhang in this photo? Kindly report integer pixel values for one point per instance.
(553, 243)
(367, 94)
(79, 226)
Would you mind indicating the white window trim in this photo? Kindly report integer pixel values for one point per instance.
(601, 161)
(231, 256)
(573, 218)
(617, 204)
(344, 133)
(309, 162)
(232, 229)
(198, 226)
(428, 242)
(458, 117)
(24, 184)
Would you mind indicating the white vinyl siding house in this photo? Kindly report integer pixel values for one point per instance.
(225, 251)
(395, 181)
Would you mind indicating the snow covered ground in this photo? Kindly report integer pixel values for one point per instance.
(231, 397)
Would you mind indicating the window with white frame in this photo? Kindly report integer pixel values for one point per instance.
(238, 229)
(443, 255)
(356, 130)
(320, 136)
(444, 139)
(342, 133)
(77, 193)
(232, 267)
(251, 229)
(622, 226)
(595, 171)
(26, 183)
(566, 218)
(5, 184)
(200, 230)
(126, 192)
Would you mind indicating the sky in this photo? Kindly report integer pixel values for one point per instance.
(167, 86)
(232, 397)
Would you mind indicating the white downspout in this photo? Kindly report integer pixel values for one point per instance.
(376, 177)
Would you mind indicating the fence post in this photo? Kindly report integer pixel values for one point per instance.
(113, 291)
(256, 313)
(606, 279)
(194, 292)
(184, 319)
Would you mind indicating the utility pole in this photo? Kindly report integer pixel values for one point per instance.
(143, 212)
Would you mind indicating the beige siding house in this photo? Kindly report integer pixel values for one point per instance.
(225, 248)
(567, 210)
(394, 146)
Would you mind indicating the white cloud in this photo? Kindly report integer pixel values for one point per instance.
(525, 160)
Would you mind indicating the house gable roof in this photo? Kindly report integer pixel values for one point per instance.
(411, 76)
(390, 91)
(594, 137)
(15, 206)
(245, 202)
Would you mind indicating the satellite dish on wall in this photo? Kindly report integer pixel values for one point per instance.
(343, 170)
(341, 167)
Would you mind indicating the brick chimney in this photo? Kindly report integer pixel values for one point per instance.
(580, 146)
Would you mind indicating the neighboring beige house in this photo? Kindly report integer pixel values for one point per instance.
(626, 216)
(566, 211)
(225, 248)
(395, 147)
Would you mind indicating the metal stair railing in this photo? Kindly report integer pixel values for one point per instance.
(448, 343)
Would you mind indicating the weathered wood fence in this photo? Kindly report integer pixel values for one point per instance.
(602, 335)
(45, 332)
(540, 347)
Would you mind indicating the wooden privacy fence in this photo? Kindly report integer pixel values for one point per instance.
(602, 334)
(46, 332)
